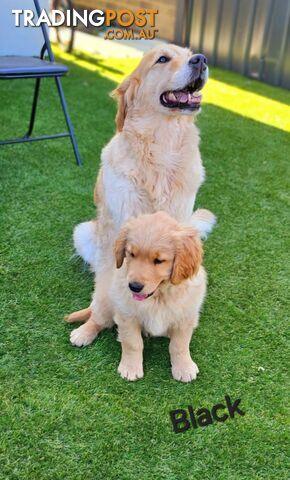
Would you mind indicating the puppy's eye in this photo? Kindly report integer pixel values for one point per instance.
(163, 59)
(132, 254)
(157, 261)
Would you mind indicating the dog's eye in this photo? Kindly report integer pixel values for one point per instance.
(157, 261)
(163, 59)
(132, 254)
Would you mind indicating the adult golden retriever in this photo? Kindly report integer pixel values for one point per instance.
(158, 289)
(152, 163)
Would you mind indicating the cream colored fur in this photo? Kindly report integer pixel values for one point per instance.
(175, 287)
(152, 163)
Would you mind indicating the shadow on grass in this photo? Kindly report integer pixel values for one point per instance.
(94, 60)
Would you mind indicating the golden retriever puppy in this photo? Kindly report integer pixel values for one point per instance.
(158, 289)
(152, 163)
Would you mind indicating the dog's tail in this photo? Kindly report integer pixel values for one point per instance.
(85, 241)
(203, 221)
(80, 316)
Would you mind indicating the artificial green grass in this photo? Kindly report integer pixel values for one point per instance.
(65, 412)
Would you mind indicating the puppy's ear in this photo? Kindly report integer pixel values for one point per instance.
(125, 94)
(120, 246)
(188, 256)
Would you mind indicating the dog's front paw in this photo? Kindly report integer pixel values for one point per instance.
(185, 372)
(84, 335)
(129, 372)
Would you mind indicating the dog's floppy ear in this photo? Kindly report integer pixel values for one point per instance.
(125, 94)
(188, 255)
(120, 246)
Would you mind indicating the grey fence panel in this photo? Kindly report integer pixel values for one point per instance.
(211, 29)
(276, 42)
(226, 33)
(257, 48)
(285, 77)
(197, 27)
(248, 36)
(243, 34)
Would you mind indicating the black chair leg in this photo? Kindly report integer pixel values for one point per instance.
(68, 121)
(33, 109)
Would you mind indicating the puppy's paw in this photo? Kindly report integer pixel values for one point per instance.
(185, 372)
(130, 372)
(84, 335)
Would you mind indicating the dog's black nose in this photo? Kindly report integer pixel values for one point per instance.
(198, 61)
(136, 287)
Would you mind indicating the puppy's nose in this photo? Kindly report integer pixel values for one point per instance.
(136, 287)
(198, 61)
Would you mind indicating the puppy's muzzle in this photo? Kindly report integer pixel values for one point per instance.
(136, 287)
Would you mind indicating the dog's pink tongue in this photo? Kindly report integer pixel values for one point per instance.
(181, 96)
(139, 296)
